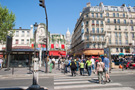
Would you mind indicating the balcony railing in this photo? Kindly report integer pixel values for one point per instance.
(98, 33)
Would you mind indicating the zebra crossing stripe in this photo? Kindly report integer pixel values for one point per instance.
(73, 79)
(87, 85)
(116, 88)
(73, 82)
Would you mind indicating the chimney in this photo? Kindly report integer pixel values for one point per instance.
(123, 5)
(88, 4)
(20, 27)
(80, 13)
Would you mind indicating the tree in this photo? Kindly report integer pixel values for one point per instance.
(7, 22)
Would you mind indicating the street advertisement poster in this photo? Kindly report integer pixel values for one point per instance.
(106, 52)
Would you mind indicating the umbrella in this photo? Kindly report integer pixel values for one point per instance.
(121, 54)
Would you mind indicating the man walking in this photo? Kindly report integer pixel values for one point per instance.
(1, 61)
(107, 63)
(89, 64)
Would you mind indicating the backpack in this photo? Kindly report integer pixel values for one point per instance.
(73, 65)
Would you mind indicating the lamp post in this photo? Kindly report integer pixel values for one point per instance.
(42, 4)
(108, 36)
(35, 31)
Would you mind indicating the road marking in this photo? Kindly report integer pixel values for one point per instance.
(73, 79)
(87, 85)
(72, 82)
(116, 88)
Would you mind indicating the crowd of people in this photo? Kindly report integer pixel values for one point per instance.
(87, 65)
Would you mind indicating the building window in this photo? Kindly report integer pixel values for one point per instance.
(117, 49)
(116, 41)
(97, 38)
(116, 35)
(87, 30)
(87, 22)
(102, 38)
(101, 22)
(126, 35)
(98, 45)
(102, 30)
(87, 15)
(121, 50)
(92, 14)
(16, 41)
(123, 14)
(132, 28)
(27, 41)
(93, 38)
(92, 22)
(17, 33)
(22, 33)
(108, 20)
(133, 36)
(131, 21)
(87, 46)
(101, 15)
(115, 27)
(119, 21)
(126, 41)
(119, 28)
(117, 14)
(113, 14)
(114, 20)
(97, 22)
(124, 21)
(107, 14)
(93, 30)
(109, 40)
(97, 30)
(96, 14)
(22, 41)
(28, 33)
(120, 34)
(94, 45)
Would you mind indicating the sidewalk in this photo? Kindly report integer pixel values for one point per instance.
(24, 72)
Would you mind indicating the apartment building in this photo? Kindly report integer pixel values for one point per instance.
(102, 26)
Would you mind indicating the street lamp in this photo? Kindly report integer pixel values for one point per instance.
(42, 4)
(109, 36)
(35, 31)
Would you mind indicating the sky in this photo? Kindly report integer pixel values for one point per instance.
(62, 14)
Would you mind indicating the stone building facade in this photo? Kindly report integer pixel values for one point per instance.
(102, 26)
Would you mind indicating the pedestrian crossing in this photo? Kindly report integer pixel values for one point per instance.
(64, 82)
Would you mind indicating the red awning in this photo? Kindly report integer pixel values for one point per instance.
(62, 52)
(57, 53)
(1, 56)
(54, 53)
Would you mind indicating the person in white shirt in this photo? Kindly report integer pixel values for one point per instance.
(93, 65)
(1, 61)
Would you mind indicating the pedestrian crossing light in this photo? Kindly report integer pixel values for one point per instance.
(42, 3)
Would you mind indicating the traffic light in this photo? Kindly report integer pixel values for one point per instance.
(42, 3)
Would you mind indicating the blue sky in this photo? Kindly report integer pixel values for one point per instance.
(62, 14)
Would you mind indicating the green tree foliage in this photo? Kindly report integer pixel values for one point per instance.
(7, 22)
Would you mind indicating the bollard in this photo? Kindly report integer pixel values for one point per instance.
(12, 70)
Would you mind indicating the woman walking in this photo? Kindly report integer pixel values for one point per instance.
(100, 67)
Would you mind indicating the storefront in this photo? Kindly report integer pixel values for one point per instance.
(21, 56)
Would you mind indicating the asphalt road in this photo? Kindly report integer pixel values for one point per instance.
(26, 82)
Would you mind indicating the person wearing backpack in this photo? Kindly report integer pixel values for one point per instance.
(100, 67)
(73, 67)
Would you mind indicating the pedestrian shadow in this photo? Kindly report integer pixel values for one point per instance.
(94, 81)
